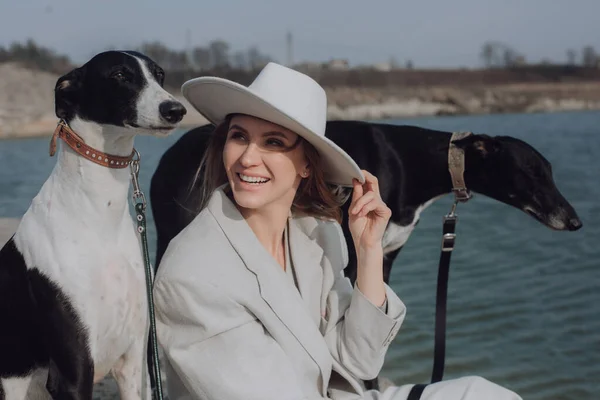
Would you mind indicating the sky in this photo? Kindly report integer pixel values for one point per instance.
(430, 33)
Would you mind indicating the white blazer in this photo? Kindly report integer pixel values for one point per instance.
(234, 328)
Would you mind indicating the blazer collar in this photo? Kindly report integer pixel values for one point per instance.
(286, 303)
(307, 257)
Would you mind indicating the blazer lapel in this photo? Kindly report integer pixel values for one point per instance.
(322, 236)
(288, 305)
(306, 256)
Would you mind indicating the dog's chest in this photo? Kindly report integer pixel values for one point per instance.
(120, 309)
(120, 292)
(101, 275)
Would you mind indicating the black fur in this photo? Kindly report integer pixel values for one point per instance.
(170, 184)
(41, 330)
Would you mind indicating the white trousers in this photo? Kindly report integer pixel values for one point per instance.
(465, 388)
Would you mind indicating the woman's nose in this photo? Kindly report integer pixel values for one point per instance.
(251, 155)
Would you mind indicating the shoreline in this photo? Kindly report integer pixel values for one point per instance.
(27, 100)
(405, 108)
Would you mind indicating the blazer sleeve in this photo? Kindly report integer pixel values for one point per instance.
(205, 335)
(358, 333)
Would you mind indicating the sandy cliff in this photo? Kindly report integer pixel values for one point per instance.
(27, 100)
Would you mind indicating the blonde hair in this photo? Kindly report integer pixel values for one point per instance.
(314, 197)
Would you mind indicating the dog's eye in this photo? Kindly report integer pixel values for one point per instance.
(160, 75)
(118, 75)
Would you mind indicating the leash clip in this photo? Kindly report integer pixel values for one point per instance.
(135, 170)
(449, 226)
(448, 242)
(461, 195)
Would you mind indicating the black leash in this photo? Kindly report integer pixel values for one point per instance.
(461, 195)
(139, 201)
(439, 352)
(448, 239)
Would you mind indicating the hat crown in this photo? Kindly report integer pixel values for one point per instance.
(294, 93)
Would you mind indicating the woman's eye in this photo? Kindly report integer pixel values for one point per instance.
(275, 142)
(236, 135)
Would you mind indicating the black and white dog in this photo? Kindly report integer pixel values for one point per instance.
(411, 164)
(72, 287)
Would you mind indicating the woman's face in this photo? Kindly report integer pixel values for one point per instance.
(264, 163)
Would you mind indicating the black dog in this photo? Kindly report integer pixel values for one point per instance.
(411, 164)
(72, 286)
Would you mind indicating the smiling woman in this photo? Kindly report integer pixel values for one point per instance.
(254, 138)
(251, 299)
(263, 163)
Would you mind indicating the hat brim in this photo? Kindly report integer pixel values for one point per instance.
(215, 98)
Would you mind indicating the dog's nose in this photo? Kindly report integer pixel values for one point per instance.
(172, 111)
(575, 224)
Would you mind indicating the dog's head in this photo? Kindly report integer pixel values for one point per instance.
(119, 88)
(513, 172)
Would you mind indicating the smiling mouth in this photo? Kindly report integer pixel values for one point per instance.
(252, 180)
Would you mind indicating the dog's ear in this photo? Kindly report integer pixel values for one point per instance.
(484, 145)
(66, 94)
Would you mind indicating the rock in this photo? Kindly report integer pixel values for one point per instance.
(551, 105)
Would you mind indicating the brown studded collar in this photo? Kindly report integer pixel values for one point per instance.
(74, 141)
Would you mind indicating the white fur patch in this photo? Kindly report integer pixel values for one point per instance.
(396, 236)
(555, 220)
(150, 98)
(31, 387)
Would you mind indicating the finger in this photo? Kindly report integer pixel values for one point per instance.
(371, 181)
(357, 191)
(371, 206)
(369, 196)
(376, 206)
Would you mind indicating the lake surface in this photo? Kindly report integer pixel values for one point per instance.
(523, 301)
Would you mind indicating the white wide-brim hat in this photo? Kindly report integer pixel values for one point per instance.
(284, 97)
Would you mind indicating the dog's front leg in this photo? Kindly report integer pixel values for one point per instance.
(131, 374)
(70, 364)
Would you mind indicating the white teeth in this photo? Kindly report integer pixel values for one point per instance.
(252, 179)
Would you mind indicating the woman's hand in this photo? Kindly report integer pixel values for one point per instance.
(368, 217)
(368, 214)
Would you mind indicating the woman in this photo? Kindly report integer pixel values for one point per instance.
(251, 300)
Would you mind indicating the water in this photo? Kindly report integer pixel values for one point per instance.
(523, 302)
